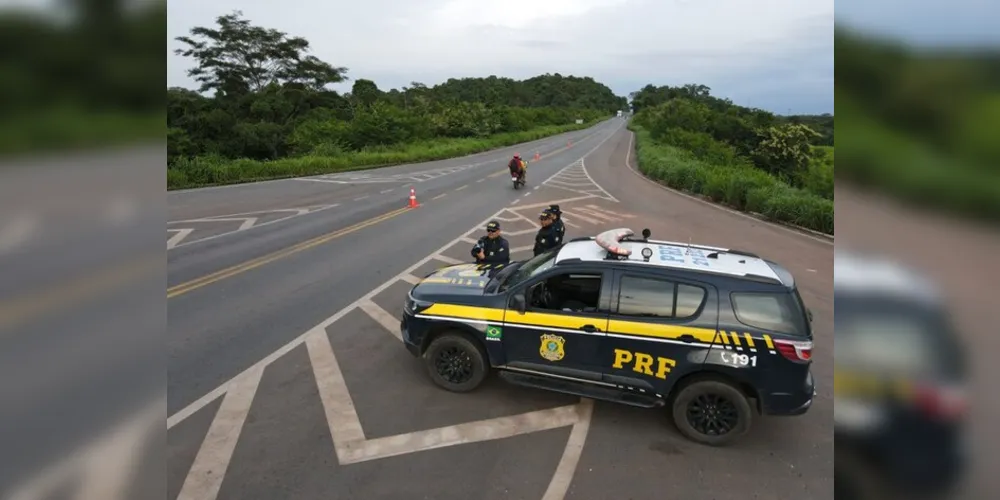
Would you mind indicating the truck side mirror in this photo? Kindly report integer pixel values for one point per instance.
(518, 303)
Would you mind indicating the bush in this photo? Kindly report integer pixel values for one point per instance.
(740, 185)
(818, 177)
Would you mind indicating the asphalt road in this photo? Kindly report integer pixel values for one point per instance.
(286, 378)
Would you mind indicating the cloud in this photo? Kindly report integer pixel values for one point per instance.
(765, 49)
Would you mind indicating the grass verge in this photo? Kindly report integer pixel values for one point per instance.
(215, 171)
(68, 128)
(875, 156)
(740, 186)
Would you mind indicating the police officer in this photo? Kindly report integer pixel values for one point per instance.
(548, 237)
(558, 223)
(492, 248)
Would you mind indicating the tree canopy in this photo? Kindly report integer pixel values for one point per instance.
(270, 99)
(723, 133)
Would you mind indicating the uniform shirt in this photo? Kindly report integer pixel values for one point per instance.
(495, 250)
(560, 228)
(547, 238)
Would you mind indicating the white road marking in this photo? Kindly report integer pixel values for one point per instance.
(121, 210)
(563, 476)
(377, 313)
(606, 211)
(248, 222)
(515, 201)
(597, 213)
(108, 479)
(521, 249)
(313, 179)
(345, 427)
(461, 188)
(466, 239)
(826, 240)
(578, 216)
(409, 278)
(249, 227)
(384, 191)
(119, 443)
(178, 237)
(361, 197)
(442, 195)
(19, 231)
(470, 432)
(209, 468)
(447, 260)
(523, 231)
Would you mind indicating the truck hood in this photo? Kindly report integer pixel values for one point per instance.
(459, 279)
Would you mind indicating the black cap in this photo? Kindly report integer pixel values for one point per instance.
(545, 214)
(555, 209)
(493, 226)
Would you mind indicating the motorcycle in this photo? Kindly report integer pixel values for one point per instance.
(518, 181)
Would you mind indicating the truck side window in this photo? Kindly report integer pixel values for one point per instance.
(777, 312)
(656, 298)
(569, 292)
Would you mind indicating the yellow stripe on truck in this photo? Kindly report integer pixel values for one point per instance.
(565, 322)
(465, 312)
(674, 332)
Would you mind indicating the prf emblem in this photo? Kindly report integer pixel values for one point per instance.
(552, 347)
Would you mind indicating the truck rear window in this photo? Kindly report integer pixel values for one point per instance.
(777, 312)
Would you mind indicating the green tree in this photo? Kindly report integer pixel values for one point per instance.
(785, 150)
(239, 58)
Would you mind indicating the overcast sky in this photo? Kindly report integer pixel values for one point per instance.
(772, 54)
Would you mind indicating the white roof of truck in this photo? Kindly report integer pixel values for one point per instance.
(675, 255)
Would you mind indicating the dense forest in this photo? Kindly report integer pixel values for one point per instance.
(83, 78)
(263, 97)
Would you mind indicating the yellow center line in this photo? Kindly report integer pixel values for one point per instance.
(260, 261)
(17, 310)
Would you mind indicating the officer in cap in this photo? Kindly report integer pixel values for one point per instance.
(492, 248)
(558, 223)
(547, 237)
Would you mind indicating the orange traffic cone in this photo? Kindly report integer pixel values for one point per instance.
(413, 198)
(537, 156)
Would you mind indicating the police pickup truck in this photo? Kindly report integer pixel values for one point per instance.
(716, 335)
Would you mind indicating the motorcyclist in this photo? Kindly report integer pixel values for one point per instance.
(557, 222)
(547, 237)
(492, 248)
(517, 167)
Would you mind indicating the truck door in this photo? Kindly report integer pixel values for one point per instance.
(661, 327)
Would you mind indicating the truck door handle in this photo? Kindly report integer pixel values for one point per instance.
(687, 337)
(590, 328)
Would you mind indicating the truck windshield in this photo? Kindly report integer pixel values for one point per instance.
(535, 265)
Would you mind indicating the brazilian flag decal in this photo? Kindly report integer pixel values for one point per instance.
(494, 332)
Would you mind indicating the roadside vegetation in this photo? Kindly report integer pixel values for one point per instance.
(268, 113)
(81, 79)
(920, 125)
(780, 167)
